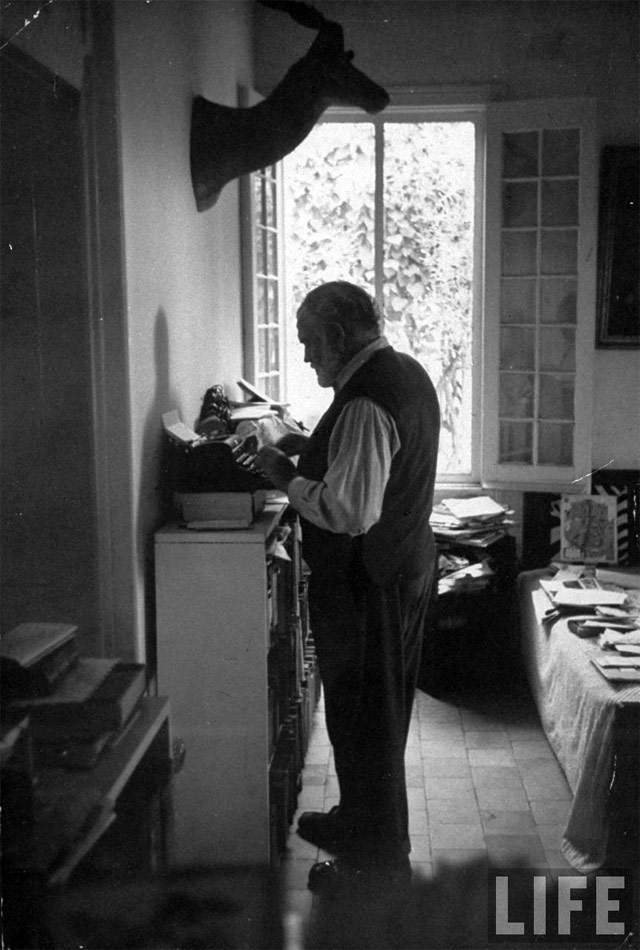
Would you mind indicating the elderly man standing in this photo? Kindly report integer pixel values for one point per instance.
(363, 487)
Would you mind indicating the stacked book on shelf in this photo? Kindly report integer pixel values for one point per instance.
(477, 522)
(75, 705)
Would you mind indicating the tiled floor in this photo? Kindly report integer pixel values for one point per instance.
(483, 783)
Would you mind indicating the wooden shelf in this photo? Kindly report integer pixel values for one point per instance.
(73, 809)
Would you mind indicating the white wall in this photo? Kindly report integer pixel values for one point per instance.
(182, 267)
(528, 48)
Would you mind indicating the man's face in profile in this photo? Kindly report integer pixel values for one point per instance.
(319, 353)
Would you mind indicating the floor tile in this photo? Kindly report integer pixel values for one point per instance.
(495, 822)
(453, 810)
(497, 777)
(504, 799)
(420, 847)
(551, 835)
(297, 874)
(535, 749)
(414, 776)
(501, 757)
(298, 901)
(317, 755)
(311, 798)
(446, 768)
(297, 847)
(416, 798)
(549, 811)
(457, 836)
(537, 787)
(487, 739)
(444, 749)
(438, 787)
(418, 822)
(483, 785)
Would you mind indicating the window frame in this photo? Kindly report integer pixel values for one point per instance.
(505, 117)
(423, 109)
(491, 118)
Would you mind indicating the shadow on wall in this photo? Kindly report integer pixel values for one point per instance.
(154, 500)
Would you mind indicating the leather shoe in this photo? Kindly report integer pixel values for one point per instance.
(324, 830)
(343, 876)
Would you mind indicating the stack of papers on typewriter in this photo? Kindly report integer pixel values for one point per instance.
(479, 520)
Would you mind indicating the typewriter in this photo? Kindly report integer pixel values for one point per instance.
(220, 455)
(210, 463)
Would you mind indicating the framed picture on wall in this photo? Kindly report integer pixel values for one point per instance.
(618, 308)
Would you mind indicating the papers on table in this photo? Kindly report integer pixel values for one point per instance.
(572, 597)
(478, 508)
(478, 521)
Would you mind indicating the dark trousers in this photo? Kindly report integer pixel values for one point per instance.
(368, 641)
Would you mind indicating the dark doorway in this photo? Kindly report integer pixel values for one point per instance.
(48, 532)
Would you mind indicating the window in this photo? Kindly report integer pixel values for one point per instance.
(539, 294)
(389, 203)
(263, 285)
(472, 228)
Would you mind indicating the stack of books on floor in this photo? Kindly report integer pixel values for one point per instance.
(479, 521)
(75, 705)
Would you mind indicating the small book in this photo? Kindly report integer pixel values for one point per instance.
(28, 643)
(97, 696)
(41, 677)
(619, 674)
(617, 660)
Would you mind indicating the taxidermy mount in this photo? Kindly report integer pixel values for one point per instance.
(228, 142)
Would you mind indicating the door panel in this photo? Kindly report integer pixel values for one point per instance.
(48, 530)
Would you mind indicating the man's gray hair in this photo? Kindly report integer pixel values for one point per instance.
(339, 301)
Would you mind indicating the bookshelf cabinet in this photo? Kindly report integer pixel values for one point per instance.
(471, 635)
(235, 657)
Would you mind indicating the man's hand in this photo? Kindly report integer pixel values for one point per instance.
(293, 443)
(276, 466)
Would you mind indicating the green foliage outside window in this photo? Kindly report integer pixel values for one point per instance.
(425, 227)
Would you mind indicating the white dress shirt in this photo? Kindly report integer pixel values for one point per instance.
(362, 445)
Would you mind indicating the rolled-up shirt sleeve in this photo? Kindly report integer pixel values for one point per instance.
(361, 449)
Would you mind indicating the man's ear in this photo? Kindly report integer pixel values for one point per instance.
(336, 337)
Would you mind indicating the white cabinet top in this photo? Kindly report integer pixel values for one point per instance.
(256, 533)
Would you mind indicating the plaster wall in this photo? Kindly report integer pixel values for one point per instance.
(182, 267)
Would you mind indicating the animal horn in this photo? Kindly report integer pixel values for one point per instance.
(302, 13)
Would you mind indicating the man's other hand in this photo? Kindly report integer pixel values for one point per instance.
(278, 468)
(293, 443)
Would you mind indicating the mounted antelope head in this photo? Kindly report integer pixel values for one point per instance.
(227, 142)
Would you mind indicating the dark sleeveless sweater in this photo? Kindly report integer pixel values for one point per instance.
(402, 540)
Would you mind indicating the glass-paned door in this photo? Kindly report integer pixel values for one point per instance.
(540, 281)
